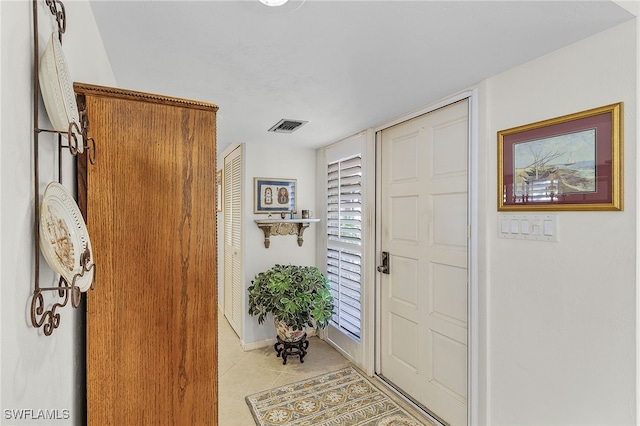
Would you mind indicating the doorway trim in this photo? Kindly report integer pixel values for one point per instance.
(472, 212)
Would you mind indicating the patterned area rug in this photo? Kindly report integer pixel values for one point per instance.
(343, 397)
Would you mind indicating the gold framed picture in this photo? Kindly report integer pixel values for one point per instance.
(573, 162)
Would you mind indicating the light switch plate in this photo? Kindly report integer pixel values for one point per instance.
(541, 227)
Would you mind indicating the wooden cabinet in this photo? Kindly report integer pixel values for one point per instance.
(150, 207)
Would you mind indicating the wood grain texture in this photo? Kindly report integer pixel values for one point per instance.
(151, 215)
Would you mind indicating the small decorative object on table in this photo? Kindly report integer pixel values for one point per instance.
(297, 297)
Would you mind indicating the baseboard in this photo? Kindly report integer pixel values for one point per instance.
(257, 345)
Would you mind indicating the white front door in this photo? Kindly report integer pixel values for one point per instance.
(423, 224)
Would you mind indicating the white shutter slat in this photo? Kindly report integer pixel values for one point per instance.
(349, 181)
(353, 162)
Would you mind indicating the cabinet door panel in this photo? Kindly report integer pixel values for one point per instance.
(149, 203)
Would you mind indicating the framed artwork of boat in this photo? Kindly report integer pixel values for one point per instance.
(573, 162)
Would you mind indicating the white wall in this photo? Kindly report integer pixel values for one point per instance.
(275, 161)
(558, 329)
(559, 334)
(559, 319)
(37, 372)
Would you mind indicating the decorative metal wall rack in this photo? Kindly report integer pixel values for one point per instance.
(42, 314)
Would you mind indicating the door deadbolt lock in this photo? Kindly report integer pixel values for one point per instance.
(384, 268)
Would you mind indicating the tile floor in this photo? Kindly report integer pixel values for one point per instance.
(244, 373)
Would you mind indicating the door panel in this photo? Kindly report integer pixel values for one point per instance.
(423, 300)
(233, 286)
(152, 313)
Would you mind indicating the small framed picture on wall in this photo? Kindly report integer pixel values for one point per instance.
(274, 195)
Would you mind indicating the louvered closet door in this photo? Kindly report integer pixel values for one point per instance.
(233, 288)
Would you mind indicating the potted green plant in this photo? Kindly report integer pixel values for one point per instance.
(296, 296)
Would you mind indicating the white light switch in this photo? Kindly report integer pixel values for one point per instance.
(536, 229)
(548, 227)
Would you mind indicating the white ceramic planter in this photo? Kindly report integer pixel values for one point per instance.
(286, 333)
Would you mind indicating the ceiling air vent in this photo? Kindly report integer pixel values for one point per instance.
(287, 126)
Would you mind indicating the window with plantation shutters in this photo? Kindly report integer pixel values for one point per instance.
(344, 241)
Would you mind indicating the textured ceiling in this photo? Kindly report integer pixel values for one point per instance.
(342, 65)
